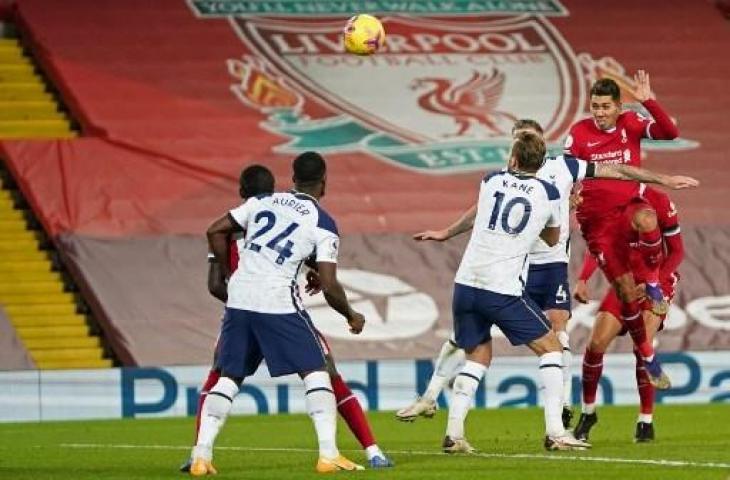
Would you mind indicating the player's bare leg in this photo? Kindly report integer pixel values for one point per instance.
(550, 354)
(450, 360)
(559, 323)
(605, 329)
(644, 221)
(465, 386)
(631, 314)
(645, 422)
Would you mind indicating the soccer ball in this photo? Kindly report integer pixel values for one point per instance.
(363, 35)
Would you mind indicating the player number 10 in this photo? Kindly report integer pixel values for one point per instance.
(504, 217)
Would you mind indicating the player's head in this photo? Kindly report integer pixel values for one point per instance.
(310, 173)
(527, 125)
(255, 180)
(605, 103)
(528, 152)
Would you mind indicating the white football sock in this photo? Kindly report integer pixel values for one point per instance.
(551, 374)
(373, 451)
(449, 361)
(215, 411)
(465, 385)
(645, 417)
(321, 407)
(588, 408)
(567, 360)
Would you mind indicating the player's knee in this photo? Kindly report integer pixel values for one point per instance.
(482, 353)
(645, 220)
(598, 345)
(558, 319)
(626, 289)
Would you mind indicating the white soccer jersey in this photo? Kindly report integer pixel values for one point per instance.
(563, 172)
(282, 230)
(512, 210)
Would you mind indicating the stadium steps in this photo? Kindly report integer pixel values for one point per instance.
(35, 295)
(27, 109)
(74, 363)
(36, 299)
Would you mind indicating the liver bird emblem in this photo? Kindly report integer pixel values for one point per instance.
(472, 104)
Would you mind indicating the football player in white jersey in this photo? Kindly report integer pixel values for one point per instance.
(547, 280)
(264, 316)
(513, 210)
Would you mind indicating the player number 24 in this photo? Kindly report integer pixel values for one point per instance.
(278, 243)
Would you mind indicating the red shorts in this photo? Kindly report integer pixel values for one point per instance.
(608, 235)
(611, 303)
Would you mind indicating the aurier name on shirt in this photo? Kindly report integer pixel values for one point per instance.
(295, 205)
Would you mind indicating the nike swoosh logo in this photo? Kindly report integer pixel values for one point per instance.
(593, 144)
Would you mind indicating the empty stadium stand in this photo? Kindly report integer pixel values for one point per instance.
(170, 105)
(32, 294)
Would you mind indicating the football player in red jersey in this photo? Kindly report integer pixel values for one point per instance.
(258, 180)
(608, 323)
(613, 136)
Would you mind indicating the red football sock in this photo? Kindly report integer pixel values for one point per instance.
(210, 382)
(631, 314)
(646, 389)
(350, 409)
(650, 247)
(592, 369)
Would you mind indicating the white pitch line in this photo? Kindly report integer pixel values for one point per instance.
(534, 456)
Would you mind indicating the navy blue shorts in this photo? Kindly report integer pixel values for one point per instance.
(476, 310)
(288, 342)
(547, 285)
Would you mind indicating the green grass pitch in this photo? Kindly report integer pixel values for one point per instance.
(693, 442)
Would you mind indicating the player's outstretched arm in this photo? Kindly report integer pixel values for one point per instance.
(628, 172)
(463, 224)
(336, 297)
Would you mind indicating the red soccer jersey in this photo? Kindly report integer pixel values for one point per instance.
(622, 144)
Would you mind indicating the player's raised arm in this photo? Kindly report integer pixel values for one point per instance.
(464, 223)
(628, 172)
(661, 127)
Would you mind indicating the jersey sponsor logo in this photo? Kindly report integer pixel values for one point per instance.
(460, 84)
